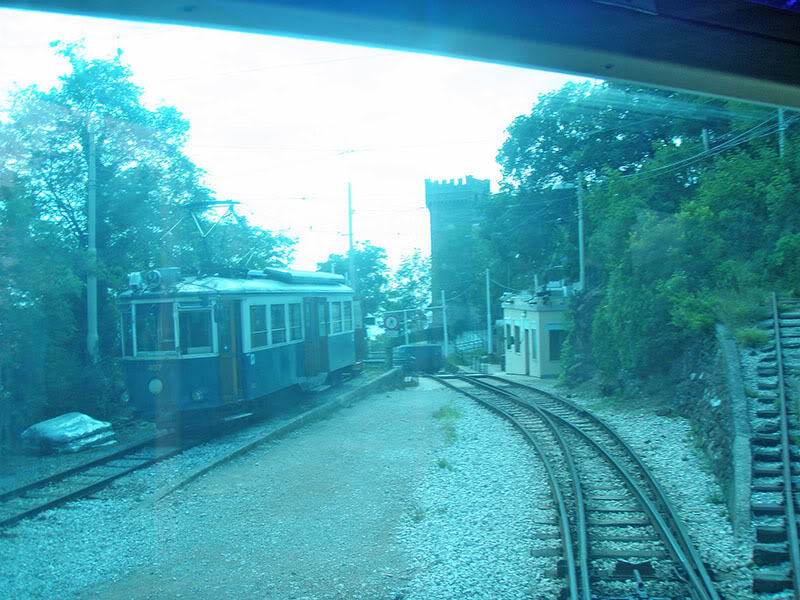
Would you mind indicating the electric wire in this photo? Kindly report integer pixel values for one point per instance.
(758, 131)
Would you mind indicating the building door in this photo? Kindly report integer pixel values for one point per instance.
(527, 351)
(227, 314)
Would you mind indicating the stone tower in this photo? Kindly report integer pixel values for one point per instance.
(455, 209)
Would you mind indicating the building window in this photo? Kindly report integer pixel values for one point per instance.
(516, 339)
(336, 317)
(295, 322)
(278, 316)
(348, 315)
(533, 344)
(195, 331)
(258, 326)
(509, 339)
(557, 337)
(155, 327)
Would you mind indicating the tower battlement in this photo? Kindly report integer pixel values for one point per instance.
(466, 189)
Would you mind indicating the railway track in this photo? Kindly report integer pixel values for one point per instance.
(618, 535)
(774, 459)
(81, 481)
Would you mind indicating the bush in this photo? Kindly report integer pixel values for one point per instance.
(739, 308)
(750, 337)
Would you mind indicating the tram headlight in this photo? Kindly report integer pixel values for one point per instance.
(156, 386)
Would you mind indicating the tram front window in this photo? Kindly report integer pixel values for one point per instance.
(195, 331)
(155, 327)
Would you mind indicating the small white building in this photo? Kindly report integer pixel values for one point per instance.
(535, 330)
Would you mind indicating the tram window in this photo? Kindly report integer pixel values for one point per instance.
(321, 319)
(155, 328)
(348, 315)
(336, 317)
(295, 322)
(127, 333)
(278, 316)
(195, 331)
(258, 326)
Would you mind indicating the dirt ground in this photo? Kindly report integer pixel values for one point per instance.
(311, 516)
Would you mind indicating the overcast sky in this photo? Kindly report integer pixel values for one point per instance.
(282, 124)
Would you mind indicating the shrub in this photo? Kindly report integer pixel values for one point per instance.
(750, 337)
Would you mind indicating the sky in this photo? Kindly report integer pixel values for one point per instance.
(282, 125)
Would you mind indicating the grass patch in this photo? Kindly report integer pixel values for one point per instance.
(739, 308)
(417, 513)
(447, 412)
(715, 498)
(447, 415)
(443, 463)
(751, 337)
(449, 431)
(750, 392)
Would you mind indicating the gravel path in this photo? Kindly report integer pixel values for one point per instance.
(356, 506)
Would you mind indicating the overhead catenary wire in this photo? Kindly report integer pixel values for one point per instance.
(760, 130)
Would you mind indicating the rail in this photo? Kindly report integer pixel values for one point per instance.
(786, 458)
(652, 499)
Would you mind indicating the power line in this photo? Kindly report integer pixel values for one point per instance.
(757, 131)
(505, 286)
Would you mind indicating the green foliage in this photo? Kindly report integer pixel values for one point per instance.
(443, 463)
(450, 435)
(750, 337)
(676, 240)
(750, 392)
(143, 182)
(417, 513)
(447, 415)
(372, 274)
(447, 412)
(410, 285)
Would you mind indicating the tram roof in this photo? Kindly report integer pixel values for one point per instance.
(237, 286)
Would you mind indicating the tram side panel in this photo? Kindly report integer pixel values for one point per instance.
(162, 389)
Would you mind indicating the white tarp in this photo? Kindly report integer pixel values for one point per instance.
(71, 432)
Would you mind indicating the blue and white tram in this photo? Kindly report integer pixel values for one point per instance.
(211, 348)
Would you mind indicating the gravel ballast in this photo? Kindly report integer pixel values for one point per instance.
(667, 447)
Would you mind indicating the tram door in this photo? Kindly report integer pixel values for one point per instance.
(315, 328)
(323, 320)
(311, 336)
(227, 314)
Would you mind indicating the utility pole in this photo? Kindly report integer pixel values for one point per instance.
(488, 313)
(580, 231)
(781, 128)
(444, 324)
(351, 252)
(91, 279)
(705, 139)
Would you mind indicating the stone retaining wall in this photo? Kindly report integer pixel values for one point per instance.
(711, 395)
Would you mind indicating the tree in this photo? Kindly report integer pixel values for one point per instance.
(372, 274)
(676, 237)
(410, 284)
(144, 181)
